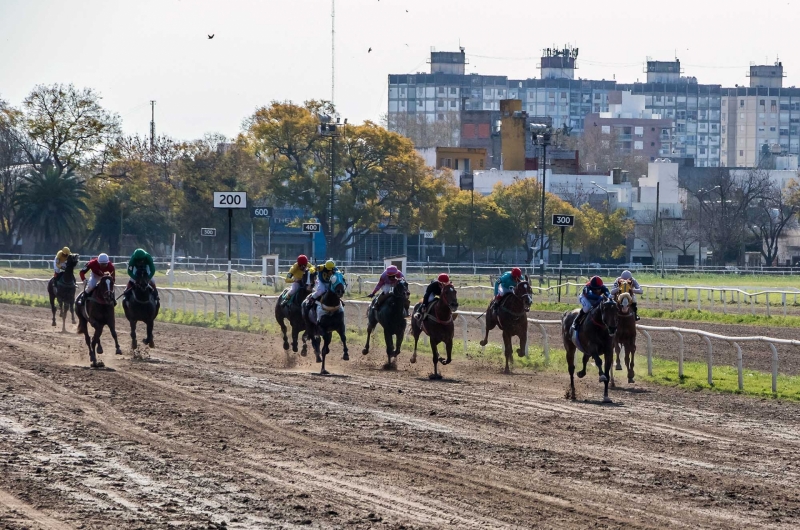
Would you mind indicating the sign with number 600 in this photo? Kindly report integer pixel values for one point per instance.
(563, 220)
(230, 199)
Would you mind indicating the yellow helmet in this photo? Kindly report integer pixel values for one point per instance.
(66, 251)
(330, 265)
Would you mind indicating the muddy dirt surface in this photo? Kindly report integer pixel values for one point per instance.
(224, 430)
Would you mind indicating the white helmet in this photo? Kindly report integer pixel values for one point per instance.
(626, 275)
(102, 259)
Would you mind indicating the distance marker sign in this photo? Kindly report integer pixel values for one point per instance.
(230, 199)
(563, 220)
(312, 227)
(208, 232)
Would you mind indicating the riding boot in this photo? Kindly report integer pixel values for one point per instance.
(419, 314)
(406, 306)
(635, 311)
(576, 324)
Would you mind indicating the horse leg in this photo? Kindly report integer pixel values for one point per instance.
(279, 318)
(72, 310)
(113, 331)
(64, 310)
(370, 328)
(150, 341)
(507, 350)
(630, 352)
(599, 363)
(88, 339)
(343, 337)
(571, 365)
(435, 374)
(609, 360)
(582, 373)
(96, 346)
(295, 333)
(134, 344)
(388, 338)
(53, 308)
(398, 343)
(326, 337)
(523, 341)
(490, 323)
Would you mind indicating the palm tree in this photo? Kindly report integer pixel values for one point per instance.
(50, 205)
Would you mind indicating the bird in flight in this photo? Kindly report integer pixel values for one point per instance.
(211, 36)
(369, 50)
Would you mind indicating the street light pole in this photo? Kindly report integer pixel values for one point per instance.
(541, 136)
(608, 198)
(327, 128)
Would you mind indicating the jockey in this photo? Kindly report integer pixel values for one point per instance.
(324, 279)
(387, 282)
(505, 284)
(434, 289)
(60, 263)
(590, 296)
(140, 259)
(297, 275)
(626, 283)
(98, 267)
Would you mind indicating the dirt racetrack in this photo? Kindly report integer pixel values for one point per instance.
(218, 429)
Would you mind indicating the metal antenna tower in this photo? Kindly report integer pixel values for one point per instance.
(152, 124)
(333, 49)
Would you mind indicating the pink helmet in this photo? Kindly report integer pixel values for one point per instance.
(444, 278)
(391, 270)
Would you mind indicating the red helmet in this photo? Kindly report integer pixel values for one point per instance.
(444, 278)
(595, 283)
(516, 273)
(391, 270)
(302, 260)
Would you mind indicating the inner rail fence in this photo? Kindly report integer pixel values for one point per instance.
(257, 307)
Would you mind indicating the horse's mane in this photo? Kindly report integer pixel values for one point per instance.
(624, 296)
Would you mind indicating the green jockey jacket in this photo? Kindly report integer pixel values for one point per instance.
(140, 258)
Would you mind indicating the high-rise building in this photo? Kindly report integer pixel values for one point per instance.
(428, 106)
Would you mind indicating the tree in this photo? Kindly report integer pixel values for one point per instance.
(65, 124)
(602, 237)
(773, 214)
(380, 181)
(50, 206)
(521, 201)
(599, 152)
(442, 132)
(492, 226)
(12, 167)
(726, 196)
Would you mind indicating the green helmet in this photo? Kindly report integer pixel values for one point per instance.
(139, 254)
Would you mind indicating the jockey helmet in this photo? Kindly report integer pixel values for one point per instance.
(596, 282)
(516, 273)
(626, 275)
(139, 254)
(302, 260)
(391, 270)
(444, 278)
(66, 251)
(102, 259)
(330, 265)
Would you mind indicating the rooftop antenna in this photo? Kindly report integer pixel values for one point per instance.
(333, 50)
(152, 124)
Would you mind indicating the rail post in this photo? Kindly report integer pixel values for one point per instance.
(709, 359)
(680, 353)
(545, 344)
(739, 363)
(774, 368)
(649, 351)
(699, 301)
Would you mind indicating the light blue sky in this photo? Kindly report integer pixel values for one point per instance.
(133, 51)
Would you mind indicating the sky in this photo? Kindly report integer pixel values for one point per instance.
(134, 51)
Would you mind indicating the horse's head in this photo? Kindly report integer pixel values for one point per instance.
(449, 296)
(624, 302)
(105, 288)
(609, 315)
(338, 284)
(72, 261)
(400, 289)
(142, 277)
(524, 291)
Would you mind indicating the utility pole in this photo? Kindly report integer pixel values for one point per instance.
(328, 129)
(656, 228)
(152, 124)
(333, 49)
(541, 136)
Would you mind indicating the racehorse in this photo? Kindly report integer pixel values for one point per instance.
(438, 325)
(594, 338)
(390, 316)
(294, 313)
(511, 318)
(329, 318)
(98, 309)
(141, 306)
(625, 337)
(64, 291)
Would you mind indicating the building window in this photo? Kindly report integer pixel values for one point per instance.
(762, 102)
(441, 90)
(606, 129)
(455, 163)
(652, 144)
(638, 145)
(639, 131)
(702, 150)
(441, 117)
(772, 129)
(480, 163)
(402, 91)
(741, 103)
(741, 153)
(440, 103)
(452, 104)
(773, 106)
(452, 90)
